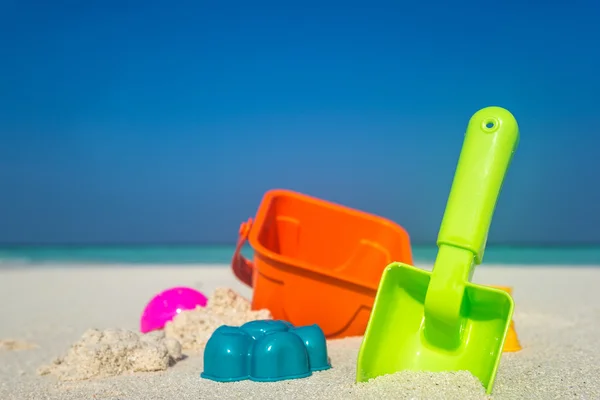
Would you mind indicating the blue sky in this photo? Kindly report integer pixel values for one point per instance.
(157, 122)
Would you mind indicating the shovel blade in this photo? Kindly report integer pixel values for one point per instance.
(395, 339)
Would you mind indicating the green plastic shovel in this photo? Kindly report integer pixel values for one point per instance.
(440, 321)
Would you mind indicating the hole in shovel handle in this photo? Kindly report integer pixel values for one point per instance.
(490, 125)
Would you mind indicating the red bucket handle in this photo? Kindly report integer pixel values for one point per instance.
(243, 268)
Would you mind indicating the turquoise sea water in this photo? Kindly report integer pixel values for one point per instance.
(32, 256)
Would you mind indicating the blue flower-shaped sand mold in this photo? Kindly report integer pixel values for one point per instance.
(264, 351)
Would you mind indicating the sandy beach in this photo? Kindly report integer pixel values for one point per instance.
(44, 310)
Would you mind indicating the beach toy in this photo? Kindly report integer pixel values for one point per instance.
(264, 351)
(317, 262)
(511, 344)
(167, 304)
(440, 320)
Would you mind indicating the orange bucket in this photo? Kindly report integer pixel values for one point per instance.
(317, 262)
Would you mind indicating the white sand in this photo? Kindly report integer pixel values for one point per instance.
(111, 352)
(193, 328)
(44, 311)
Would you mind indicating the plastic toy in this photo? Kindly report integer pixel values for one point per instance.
(167, 304)
(440, 320)
(306, 245)
(511, 344)
(264, 351)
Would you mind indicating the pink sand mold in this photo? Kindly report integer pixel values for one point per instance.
(167, 304)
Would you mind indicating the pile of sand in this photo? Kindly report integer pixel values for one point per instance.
(193, 328)
(117, 351)
(422, 385)
(114, 352)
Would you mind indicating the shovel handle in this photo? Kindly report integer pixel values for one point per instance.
(491, 138)
(243, 268)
